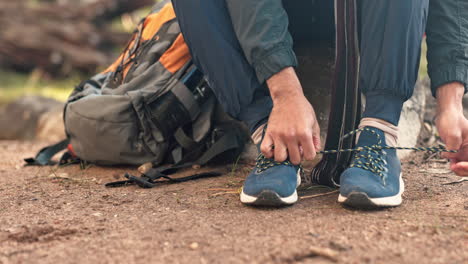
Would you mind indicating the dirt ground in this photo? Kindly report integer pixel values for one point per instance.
(66, 215)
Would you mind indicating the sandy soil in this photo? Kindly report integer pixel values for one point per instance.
(66, 215)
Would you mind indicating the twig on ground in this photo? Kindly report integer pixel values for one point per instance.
(435, 171)
(430, 156)
(221, 189)
(442, 177)
(463, 179)
(315, 187)
(443, 161)
(313, 252)
(325, 252)
(223, 193)
(318, 195)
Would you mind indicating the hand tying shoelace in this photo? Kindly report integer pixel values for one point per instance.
(264, 163)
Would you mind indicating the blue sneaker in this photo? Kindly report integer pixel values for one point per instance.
(271, 183)
(374, 177)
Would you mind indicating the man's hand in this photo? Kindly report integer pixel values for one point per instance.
(453, 126)
(292, 127)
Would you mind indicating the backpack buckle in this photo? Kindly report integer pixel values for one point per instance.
(143, 182)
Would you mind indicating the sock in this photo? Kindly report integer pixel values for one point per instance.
(390, 130)
(258, 134)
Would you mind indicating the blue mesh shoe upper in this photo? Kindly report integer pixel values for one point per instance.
(269, 175)
(375, 172)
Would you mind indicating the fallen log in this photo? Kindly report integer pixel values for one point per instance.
(59, 38)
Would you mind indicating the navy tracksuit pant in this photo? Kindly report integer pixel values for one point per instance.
(390, 35)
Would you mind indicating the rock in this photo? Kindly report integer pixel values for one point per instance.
(194, 246)
(50, 125)
(412, 117)
(23, 119)
(145, 168)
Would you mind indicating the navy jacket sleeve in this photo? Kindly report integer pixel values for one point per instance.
(447, 39)
(262, 29)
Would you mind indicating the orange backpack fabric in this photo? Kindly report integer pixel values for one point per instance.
(175, 57)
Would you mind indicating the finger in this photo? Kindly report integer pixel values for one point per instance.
(453, 161)
(281, 153)
(462, 154)
(267, 146)
(316, 137)
(448, 155)
(308, 148)
(294, 153)
(453, 141)
(317, 143)
(460, 168)
(453, 164)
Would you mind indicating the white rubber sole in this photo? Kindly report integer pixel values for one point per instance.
(270, 198)
(361, 200)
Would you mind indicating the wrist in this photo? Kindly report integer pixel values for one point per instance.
(449, 97)
(284, 84)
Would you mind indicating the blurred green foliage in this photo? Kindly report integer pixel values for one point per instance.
(423, 65)
(14, 85)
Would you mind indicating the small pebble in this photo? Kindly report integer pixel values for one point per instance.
(194, 246)
(145, 167)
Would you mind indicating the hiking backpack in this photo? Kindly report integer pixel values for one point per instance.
(151, 105)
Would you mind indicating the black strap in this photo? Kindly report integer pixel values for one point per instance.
(151, 179)
(155, 176)
(228, 141)
(69, 159)
(44, 157)
(184, 140)
(177, 154)
(346, 97)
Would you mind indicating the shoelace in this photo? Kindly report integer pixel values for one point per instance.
(263, 163)
(362, 159)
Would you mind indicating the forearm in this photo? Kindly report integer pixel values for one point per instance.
(449, 97)
(284, 84)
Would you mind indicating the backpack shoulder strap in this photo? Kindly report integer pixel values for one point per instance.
(44, 157)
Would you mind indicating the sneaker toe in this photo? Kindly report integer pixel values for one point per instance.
(282, 180)
(359, 180)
